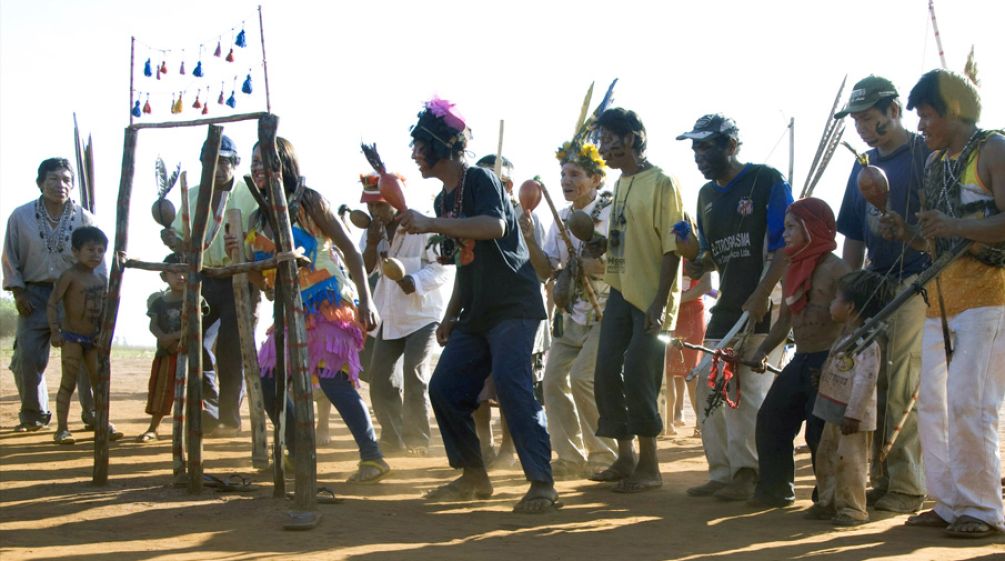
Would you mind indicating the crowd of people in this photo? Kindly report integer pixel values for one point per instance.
(565, 332)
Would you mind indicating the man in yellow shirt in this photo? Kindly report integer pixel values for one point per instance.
(643, 271)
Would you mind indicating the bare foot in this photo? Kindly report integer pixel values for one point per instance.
(464, 488)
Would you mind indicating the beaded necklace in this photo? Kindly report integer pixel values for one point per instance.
(450, 246)
(55, 232)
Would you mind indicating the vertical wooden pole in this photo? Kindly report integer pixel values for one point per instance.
(178, 418)
(193, 286)
(246, 330)
(265, 62)
(102, 389)
(279, 381)
(306, 457)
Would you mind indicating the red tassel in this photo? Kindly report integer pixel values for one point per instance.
(197, 104)
(218, 50)
(146, 106)
(230, 56)
(205, 109)
(164, 67)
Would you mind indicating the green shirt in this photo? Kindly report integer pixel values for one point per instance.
(215, 250)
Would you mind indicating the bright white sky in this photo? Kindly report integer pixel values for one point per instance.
(341, 72)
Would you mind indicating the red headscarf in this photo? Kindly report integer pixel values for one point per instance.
(820, 230)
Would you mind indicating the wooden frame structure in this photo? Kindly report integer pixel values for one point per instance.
(288, 316)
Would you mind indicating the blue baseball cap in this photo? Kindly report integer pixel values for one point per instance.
(227, 148)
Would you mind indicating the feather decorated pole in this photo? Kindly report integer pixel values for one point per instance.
(163, 210)
(605, 103)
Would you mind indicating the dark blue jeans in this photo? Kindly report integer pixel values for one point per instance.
(347, 401)
(629, 373)
(789, 402)
(504, 351)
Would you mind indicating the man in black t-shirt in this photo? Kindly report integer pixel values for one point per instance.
(741, 214)
(492, 316)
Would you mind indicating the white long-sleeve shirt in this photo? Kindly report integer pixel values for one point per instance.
(26, 255)
(403, 314)
(558, 255)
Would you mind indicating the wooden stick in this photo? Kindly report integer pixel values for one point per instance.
(306, 460)
(246, 331)
(497, 168)
(250, 266)
(199, 122)
(178, 420)
(193, 284)
(110, 313)
(154, 266)
(564, 232)
(682, 343)
(938, 37)
(265, 61)
(132, 70)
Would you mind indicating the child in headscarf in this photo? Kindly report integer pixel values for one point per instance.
(808, 287)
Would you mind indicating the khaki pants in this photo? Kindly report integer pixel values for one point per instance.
(568, 396)
(842, 469)
(899, 374)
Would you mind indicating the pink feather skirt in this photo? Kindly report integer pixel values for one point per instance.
(334, 339)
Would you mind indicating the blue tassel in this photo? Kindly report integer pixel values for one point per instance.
(147, 69)
(246, 86)
(232, 101)
(137, 112)
(240, 41)
(198, 70)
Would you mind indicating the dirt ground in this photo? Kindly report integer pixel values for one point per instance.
(50, 509)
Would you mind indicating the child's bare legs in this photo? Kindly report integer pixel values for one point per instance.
(678, 405)
(323, 435)
(483, 427)
(72, 358)
(506, 456)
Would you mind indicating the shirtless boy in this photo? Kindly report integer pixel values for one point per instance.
(808, 287)
(81, 291)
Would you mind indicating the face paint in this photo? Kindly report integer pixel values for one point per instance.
(882, 128)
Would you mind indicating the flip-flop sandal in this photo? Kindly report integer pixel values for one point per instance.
(148, 436)
(454, 492)
(631, 486)
(927, 519)
(382, 471)
(300, 521)
(982, 528)
(325, 496)
(553, 505)
(233, 484)
(609, 475)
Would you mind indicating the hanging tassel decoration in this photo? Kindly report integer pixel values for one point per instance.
(146, 106)
(232, 101)
(205, 109)
(246, 86)
(164, 67)
(179, 104)
(182, 69)
(198, 70)
(220, 99)
(148, 70)
(230, 56)
(241, 40)
(174, 105)
(218, 50)
(197, 104)
(137, 112)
